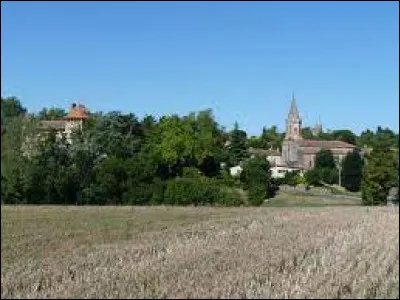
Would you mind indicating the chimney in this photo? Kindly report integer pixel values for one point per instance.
(73, 106)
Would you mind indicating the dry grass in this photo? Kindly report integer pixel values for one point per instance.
(126, 252)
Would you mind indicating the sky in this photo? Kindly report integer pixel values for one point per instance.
(244, 60)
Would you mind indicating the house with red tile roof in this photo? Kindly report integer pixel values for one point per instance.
(73, 120)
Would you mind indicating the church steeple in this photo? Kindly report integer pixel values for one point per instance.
(293, 122)
(293, 107)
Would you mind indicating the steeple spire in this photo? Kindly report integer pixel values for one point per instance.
(293, 107)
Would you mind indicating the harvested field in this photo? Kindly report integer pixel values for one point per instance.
(173, 252)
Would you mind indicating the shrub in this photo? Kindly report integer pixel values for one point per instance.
(316, 176)
(139, 194)
(199, 191)
(257, 194)
(229, 197)
(224, 178)
(291, 178)
(312, 177)
(190, 172)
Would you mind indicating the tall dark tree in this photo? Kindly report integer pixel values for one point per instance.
(324, 159)
(325, 169)
(352, 168)
(237, 148)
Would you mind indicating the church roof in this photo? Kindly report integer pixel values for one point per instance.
(266, 152)
(324, 144)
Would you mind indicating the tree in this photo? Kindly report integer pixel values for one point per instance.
(307, 133)
(291, 178)
(385, 137)
(14, 164)
(51, 114)
(272, 137)
(324, 159)
(381, 137)
(12, 107)
(256, 178)
(257, 142)
(326, 136)
(366, 138)
(324, 169)
(237, 149)
(352, 167)
(379, 176)
(345, 135)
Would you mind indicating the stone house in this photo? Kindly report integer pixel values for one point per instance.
(73, 120)
(64, 127)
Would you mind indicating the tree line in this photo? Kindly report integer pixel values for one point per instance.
(120, 159)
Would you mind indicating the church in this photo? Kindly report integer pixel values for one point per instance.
(298, 153)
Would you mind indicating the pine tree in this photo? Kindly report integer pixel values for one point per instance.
(238, 147)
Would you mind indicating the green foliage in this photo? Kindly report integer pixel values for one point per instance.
(291, 178)
(272, 137)
(198, 191)
(307, 133)
(51, 114)
(381, 137)
(324, 159)
(345, 135)
(379, 176)
(300, 179)
(118, 159)
(324, 171)
(317, 176)
(11, 107)
(269, 138)
(226, 179)
(312, 177)
(256, 178)
(257, 142)
(237, 149)
(352, 167)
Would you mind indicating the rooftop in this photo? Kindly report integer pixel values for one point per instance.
(324, 144)
(78, 112)
(53, 124)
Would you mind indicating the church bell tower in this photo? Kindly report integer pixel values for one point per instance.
(293, 123)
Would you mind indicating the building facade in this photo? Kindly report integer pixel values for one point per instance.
(298, 153)
(72, 121)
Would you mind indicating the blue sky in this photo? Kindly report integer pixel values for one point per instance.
(242, 59)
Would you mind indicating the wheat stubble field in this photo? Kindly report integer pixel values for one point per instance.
(172, 252)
